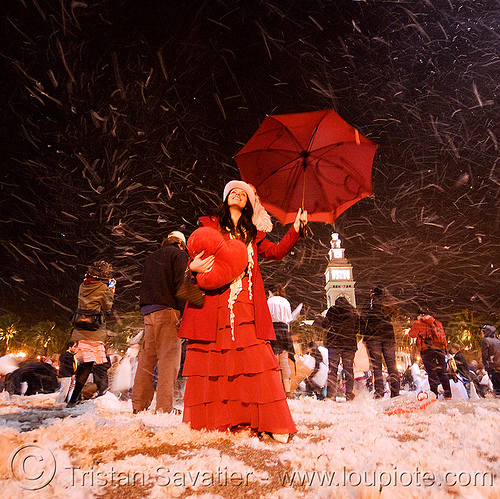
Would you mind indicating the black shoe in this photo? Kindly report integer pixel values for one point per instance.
(69, 405)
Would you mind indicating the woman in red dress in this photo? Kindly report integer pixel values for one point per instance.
(232, 374)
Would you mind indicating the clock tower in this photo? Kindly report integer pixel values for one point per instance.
(338, 274)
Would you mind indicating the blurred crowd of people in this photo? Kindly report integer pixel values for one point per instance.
(220, 351)
(358, 354)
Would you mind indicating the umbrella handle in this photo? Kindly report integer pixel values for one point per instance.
(304, 230)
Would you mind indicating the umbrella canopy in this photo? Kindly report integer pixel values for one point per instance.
(314, 161)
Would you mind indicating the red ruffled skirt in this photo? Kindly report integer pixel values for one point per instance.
(235, 382)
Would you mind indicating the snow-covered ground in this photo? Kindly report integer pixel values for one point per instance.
(366, 448)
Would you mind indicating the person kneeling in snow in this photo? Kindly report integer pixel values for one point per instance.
(40, 377)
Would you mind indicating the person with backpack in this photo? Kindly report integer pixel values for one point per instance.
(95, 298)
(431, 343)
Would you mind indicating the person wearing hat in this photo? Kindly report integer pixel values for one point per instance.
(162, 275)
(95, 298)
(490, 350)
(232, 375)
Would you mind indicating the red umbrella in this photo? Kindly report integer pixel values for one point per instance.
(314, 161)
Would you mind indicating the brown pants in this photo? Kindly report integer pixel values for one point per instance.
(162, 347)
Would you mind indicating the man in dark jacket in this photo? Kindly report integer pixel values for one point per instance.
(433, 355)
(343, 326)
(379, 337)
(490, 350)
(163, 274)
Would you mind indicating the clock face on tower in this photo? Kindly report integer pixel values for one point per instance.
(340, 274)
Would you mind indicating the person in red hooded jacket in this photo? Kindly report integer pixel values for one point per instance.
(232, 376)
(433, 355)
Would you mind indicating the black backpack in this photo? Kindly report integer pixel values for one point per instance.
(88, 320)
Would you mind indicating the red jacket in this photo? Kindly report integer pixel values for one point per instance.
(201, 324)
(421, 329)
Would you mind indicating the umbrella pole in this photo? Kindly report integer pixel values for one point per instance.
(303, 228)
(303, 189)
(304, 155)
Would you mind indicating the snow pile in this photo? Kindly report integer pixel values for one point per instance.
(386, 448)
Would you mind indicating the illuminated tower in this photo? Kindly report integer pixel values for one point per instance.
(338, 274)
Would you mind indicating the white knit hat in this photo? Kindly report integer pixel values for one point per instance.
(177, 235)
(260, 218)
(238, 184)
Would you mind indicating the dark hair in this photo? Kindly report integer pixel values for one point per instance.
(277, 290)
(245, 226)
(100, 270)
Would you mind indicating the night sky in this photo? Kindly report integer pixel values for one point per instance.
(120, 119)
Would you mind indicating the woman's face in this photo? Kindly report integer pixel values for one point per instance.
(237, 198)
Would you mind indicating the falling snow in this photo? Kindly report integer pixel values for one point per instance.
(120, 121)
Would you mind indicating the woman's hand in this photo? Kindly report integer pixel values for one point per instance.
(300, 220)
(201, 266)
